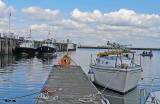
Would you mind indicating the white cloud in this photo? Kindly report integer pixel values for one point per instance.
(121, 17)
(68, 24)
(4, 10)
(36, 13)
(86, 17)
(131, 29)
(95, 28)
(39, 27)
(4, 14)
(3, 21)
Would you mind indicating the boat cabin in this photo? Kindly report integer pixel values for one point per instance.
(27, 44)
(48, 43)
(112, 60)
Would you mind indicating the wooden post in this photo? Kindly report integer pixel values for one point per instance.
(6, 46)
(140, 61)
(0, 46)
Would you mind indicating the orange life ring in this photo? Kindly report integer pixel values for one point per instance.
(65, 61)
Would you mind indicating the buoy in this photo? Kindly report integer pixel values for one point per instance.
(91, 75)
(142, 92)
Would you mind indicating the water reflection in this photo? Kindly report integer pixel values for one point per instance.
(20, 76)
(151, 70)
(6, 60)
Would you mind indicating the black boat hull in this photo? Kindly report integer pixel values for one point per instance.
(45, 50)
(25, 51)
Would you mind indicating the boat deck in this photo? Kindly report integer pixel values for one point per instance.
(71, 86)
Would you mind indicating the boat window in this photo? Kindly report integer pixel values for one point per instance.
(114, 57)
(110, 57)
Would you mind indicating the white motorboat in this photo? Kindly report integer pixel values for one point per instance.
(116, 70)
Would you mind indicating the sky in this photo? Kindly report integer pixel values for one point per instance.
(85, 22)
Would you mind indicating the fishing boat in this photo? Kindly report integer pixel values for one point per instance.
(47, 48)
(26, 47)
(116, 70)
(147, 53)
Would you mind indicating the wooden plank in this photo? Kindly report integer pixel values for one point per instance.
(72, 87)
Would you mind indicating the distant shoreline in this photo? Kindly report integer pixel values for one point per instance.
(104, 47)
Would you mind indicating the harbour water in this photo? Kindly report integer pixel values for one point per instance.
(23, 77)
(150, 81)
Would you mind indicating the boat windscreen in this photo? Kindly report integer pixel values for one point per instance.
(110, 57)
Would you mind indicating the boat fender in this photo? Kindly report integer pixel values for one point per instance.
(91, 75)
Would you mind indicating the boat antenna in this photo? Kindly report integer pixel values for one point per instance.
(49, 33)
(117, 46)
(30, 31)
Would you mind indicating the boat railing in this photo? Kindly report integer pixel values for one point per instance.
(135, 61)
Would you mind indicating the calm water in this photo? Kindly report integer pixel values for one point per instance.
(151, 75)
(20, 76)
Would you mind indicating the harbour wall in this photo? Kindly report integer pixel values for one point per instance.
(8, 45)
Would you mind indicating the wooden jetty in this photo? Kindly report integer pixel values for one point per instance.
(71, 86)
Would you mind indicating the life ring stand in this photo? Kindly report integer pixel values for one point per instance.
(65, 61)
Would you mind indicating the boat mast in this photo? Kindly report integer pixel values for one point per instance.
(30, 31)
(49, 33)
(9, 23)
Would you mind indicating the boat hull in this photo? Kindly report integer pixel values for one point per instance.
(147, 55)
(44, 50)
(25, 51)
(118, 80)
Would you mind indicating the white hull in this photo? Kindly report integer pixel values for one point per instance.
(120, 80)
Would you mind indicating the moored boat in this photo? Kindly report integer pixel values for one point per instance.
(47, 48)
(26, 47)
(147, 53)
(116, 70)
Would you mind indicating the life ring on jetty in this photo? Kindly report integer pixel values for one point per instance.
(65, 61)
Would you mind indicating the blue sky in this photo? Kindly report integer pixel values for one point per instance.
(91, 22)
(141, 6)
